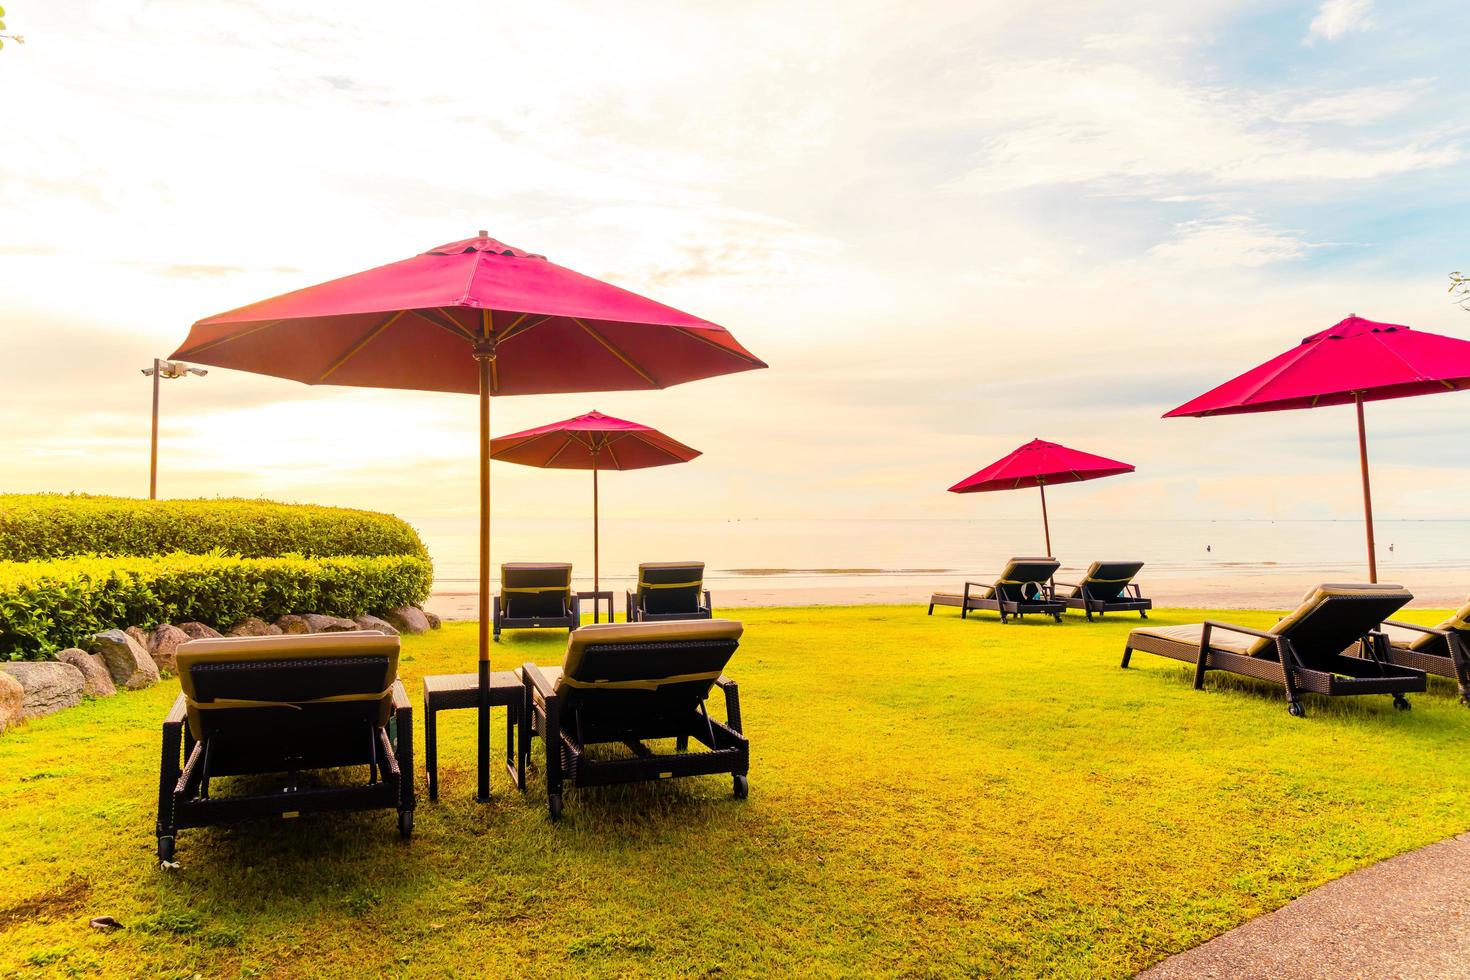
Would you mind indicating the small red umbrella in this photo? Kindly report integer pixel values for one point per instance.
(474, 316)
(591, 442)
(1353, 362)
(1037, 464)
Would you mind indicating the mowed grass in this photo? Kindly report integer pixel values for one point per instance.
(928, 797)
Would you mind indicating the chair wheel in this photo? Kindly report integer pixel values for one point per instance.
(1400, 702)
(742, 787)
(165, 848)
(553, 803)
(405, 824)
(1296, 710)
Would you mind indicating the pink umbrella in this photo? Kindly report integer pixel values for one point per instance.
(591, 442)
(472, 316)
(1354, 362)
(1037, 464)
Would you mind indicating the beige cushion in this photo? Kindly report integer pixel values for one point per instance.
(1408, 639)
(667, 631)
(1227, 640)
(295, 646)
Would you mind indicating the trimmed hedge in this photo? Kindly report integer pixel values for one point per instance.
(35, 527)
(48, 605)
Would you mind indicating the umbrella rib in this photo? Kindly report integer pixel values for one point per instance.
(607, 444)
(444, 321)
(749, 358)
(366, 339)
(559, 450)
(521, 326)
(615, 352)
(240, 335)
(655, 446)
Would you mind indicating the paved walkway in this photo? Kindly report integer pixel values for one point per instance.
(1406, 917)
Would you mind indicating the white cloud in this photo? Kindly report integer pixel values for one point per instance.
(1338, 17)
(1231, 242)
(1357, 106)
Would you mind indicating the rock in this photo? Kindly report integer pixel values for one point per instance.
(128, 663)
(374, 623)
(408, 619)
(318, 623)
(12, 702)
(252, 626)
(199, 631)
(49, 685)
(96, 681)
(164, 646)
(434, 621)
(137, 633)
(291, 623)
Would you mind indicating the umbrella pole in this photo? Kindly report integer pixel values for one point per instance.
(1367, 492)
(1045, 524)
(482, 793)
(596, 557)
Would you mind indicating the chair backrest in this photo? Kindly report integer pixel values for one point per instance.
(1025, 578)
(645, 669)
(667, 587)
(531, 589)
(1106, 580)
(1331, 618)
(1459, 621)
(330, 678)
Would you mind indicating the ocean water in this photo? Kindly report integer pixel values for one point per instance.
(778, 555)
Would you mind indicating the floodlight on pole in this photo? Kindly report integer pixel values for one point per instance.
(162, 369)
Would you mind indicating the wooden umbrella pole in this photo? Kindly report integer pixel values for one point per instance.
(1045, 524)
(596, 557)
(483, 791)
(1367, 492)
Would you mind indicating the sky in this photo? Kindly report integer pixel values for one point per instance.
(948, 227)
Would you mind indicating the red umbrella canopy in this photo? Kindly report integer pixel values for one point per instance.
(591, 441)
(408, 324)
(1333, 367)
(1040, 463)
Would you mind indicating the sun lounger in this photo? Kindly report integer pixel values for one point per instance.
(286, 706)
(536, 595)
(1023, 587)
(1106, 587)
(1442, 650)
(628, 684)
(669, 590)
(1301, 652)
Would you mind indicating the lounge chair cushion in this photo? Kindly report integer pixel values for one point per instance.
(1190, 633)
(1107, 579)
(666, 587)
(632, 670)
(305, 674)
(532, 589)
(1417, 640)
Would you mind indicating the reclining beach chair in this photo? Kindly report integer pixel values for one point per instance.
(534, 595)
(1301, 652)
(669, 590)
(1106, 587)
(1023, 587)
(627, 684)
(285, 705)
(1442, 650)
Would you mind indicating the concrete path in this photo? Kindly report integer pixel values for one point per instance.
(1406, 917)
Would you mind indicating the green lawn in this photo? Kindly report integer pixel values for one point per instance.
(928, 796)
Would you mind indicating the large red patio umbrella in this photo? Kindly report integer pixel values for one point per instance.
(591, 442)
(1037, 464)
(1353, 362)
(474, 316)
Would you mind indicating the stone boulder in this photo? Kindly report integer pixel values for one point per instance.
(318, 623)
(252, 626)
(291, 623)
(139, 634)
(408, 619)
(49, 685)
(12, 702)
(128, 663)
(164, 646)
(199, 631)
(96, 681)
(434, 621)
(374, 623)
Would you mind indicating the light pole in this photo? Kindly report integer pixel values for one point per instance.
(162, 369)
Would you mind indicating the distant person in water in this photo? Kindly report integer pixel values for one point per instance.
(1207, 548)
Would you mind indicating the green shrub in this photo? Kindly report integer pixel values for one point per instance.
(48, 605)
(35, 527)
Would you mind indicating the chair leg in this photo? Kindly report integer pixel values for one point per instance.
(1127, 656)
(431, 747)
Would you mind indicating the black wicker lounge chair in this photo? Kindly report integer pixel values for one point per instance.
(1301, 652)
(285, 705)
(669, 590)
(1023, 587)
(1107, 586)
(536, 595)
(628, 684)
(1442, 650)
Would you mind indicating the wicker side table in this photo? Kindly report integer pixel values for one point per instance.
(447, 692)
